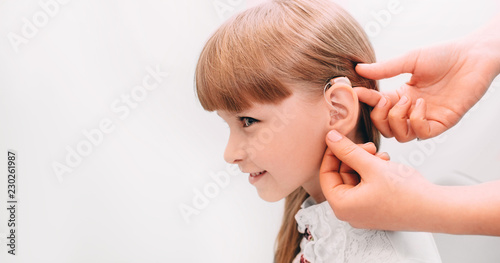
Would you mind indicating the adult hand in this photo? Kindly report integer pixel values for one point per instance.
(392, 196)
(387, 195)
(345, 174)
(447, 80)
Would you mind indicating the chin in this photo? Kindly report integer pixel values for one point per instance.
(271, 197)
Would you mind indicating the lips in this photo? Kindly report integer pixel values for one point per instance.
(257, 173)
(254, 177)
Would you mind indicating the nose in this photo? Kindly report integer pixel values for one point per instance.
(235, 152)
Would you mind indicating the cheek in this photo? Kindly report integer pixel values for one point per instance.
(302, 143)
(265, 146)
(311, 149)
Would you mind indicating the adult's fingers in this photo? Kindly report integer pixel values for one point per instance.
(418, 120)
(380, 117)
(351, 154)
(349, 176)
(390, 68)
(384, 156)
(368, 96)
(398, 120)
(381, 105)
(372, 97)
(424, 127)
(329, 176)
(369, 147)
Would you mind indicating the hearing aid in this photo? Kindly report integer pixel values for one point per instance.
(331, 82)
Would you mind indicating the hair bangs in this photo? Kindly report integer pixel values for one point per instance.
(234, 72)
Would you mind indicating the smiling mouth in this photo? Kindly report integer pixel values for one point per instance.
(254, 177)
(257, 174)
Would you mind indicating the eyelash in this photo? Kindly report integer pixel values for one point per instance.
(247, 121)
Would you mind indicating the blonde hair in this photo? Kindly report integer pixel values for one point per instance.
(251, 56)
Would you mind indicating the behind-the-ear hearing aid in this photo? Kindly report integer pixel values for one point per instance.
(331, 82)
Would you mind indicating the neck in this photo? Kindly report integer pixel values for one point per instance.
(313, 188)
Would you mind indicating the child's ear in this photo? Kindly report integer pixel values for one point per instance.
(343, 106)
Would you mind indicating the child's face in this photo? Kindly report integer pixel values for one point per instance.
(283, 142)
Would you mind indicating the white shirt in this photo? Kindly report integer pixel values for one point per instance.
(327, 239)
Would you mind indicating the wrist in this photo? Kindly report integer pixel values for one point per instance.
(423, 204)
(487, 41)
(445, 209)
(436, 210)
(463, 210)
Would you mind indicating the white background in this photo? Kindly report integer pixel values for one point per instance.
(121, 202)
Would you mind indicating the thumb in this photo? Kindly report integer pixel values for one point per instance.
(351, 154)
(390, 68)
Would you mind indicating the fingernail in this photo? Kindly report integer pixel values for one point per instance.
(362, 64)
(419, 101)
(403, 100)
(334, 136)
(382, 102)
(343, 80)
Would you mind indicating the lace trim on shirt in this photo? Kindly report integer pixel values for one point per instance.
(327, 239)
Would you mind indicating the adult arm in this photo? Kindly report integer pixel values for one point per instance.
(392, 196)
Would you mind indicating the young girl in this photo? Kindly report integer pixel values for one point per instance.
(264, 71)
